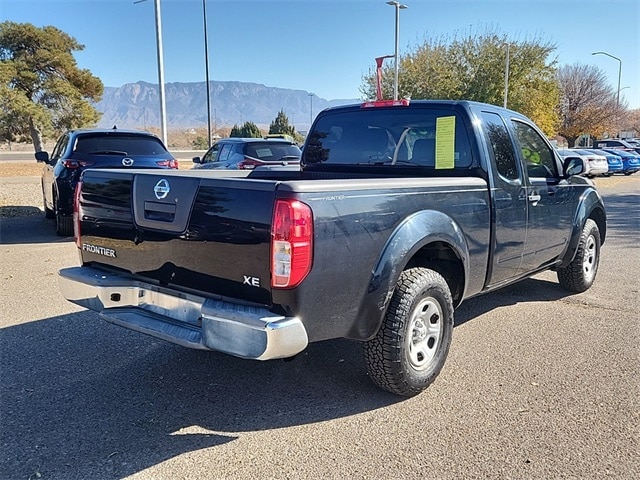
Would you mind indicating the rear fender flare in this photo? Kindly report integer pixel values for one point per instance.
(414, 233)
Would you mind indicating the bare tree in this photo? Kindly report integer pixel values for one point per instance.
(632, 122)
(587, 104)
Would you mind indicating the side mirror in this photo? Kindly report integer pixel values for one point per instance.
(196, 160)
(42, 156)
(573, 166)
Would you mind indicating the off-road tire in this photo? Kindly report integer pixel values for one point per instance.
(412, 344)
(580, 274)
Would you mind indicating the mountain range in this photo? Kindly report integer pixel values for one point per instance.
(137, 105)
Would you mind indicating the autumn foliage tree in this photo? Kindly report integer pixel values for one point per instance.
(42, 90)
(473, 68)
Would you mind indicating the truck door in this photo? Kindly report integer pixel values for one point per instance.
(509, 198)
(550, 199)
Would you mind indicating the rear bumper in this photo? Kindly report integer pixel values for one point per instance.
(184, 319)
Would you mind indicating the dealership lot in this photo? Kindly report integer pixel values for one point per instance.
(539, 383)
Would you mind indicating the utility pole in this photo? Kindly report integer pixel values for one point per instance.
(398, 6)
(163, 112)
(206, 68)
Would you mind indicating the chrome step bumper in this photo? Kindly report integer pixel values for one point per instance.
(184, 319)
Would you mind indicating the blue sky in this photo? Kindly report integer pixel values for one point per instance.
(323, 46)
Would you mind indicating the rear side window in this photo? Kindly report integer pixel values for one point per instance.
(273, 151)
(119, 144)
(398, 137)
(225, 151)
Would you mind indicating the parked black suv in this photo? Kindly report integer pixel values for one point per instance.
(77, 150)
(249, 153)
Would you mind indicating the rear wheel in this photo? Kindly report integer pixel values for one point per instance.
(579, 275)
(412, 344)
(64, 224)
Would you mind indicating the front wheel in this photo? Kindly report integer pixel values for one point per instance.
(412, 344)
(579, 275)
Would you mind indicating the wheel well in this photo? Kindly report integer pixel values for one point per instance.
(440, 257)
(598, 216)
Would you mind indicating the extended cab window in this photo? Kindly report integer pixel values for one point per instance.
(536, 154)
(398, 137)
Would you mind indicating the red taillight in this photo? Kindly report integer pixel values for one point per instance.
(76, 215)
(291, 243)
(249, 163)
(171, 163)
(77, 163)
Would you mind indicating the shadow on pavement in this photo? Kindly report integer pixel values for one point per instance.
(29, 229)
(623, 219)
(82, 398)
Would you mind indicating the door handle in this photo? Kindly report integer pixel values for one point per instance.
(534, 198)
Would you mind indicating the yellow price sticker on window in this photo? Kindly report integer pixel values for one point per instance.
(445, 142)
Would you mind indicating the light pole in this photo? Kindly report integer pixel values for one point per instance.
(163, 113)
(206, 68)
(506, 78)
(310, 110)
(398, 6)
(619, 72)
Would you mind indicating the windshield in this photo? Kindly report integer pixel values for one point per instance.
(399, 137)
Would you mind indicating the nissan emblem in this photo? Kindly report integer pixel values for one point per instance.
(162, 189)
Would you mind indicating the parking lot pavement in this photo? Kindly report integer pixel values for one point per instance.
(539, 384)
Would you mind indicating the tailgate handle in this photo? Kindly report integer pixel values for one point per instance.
(162, 212)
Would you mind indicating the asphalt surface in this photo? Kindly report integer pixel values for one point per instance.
(539, 384)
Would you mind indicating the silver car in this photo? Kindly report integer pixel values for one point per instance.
(594, 164)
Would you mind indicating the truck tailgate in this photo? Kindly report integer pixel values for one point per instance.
(181, 229)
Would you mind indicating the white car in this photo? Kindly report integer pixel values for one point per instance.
(594, 164)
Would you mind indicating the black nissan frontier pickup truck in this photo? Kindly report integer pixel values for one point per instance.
(400, 211)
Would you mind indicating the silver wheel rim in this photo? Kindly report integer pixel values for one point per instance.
(590, 258)
(425, 333)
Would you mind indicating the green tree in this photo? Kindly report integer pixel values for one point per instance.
(200, 143)
(248, 130)
(281, 125)
(587, 104)
(473, 68)
(42, 90)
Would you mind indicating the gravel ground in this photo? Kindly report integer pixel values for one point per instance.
(20, 197)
